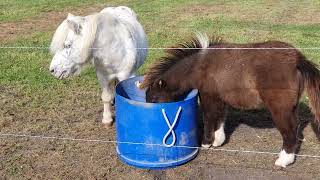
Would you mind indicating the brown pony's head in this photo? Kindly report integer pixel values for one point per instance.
(160, 91)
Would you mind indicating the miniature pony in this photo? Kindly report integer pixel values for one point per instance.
(247, 76)
(113, 39)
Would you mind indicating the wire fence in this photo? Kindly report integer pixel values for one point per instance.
(168, 48)
(82, 140)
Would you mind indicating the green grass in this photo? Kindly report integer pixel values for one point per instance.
(166, 22)
(15, 10)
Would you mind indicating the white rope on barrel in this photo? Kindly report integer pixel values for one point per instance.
(170, 131)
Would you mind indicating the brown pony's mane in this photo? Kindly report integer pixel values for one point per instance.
(173, 56)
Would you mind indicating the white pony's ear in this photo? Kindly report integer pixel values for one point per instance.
(74, 26)
(70, 15)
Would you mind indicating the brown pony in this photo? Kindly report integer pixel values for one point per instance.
(247, 76)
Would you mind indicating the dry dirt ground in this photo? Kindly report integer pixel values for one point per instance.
(78, 116)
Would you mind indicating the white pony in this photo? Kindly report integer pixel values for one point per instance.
(113, 39)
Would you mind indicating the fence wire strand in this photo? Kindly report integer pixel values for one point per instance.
(41, 137)
(166, 48)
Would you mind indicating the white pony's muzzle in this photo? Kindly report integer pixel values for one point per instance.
(61, 67)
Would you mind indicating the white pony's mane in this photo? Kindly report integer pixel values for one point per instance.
(59, 37)
(88, 32)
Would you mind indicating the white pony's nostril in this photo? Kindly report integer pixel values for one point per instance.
(52, 70)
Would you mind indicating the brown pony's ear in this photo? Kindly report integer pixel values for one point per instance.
(162, 83)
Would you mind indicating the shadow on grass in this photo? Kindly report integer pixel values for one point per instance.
(262, 119)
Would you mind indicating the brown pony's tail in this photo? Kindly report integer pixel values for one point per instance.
(311, 77)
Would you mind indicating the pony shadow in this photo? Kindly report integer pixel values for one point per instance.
(262, 119)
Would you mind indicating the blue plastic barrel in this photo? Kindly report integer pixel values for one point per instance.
(143, 135)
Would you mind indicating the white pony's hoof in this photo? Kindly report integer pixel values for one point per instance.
(284, 159)
(107, 122)
(206, 145)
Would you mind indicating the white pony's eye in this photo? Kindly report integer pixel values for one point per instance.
(67, 46)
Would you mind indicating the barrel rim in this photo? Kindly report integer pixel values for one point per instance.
(192, 94)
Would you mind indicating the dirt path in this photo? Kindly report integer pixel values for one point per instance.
(10, 31)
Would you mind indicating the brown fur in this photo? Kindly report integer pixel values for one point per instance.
(242, 78)
(174, 55)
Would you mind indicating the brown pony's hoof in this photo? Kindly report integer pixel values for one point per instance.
(206, 146)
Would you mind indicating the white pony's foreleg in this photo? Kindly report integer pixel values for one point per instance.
(107, 97)
(285, 159)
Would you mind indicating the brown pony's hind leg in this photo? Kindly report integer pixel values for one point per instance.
(284, 114)
(213, 122)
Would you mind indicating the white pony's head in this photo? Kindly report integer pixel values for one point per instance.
(71, 45)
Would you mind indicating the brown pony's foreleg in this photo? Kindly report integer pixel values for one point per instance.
(213, 122)
(284, 116)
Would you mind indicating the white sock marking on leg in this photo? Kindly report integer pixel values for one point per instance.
(284, 159)
(219, 136)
